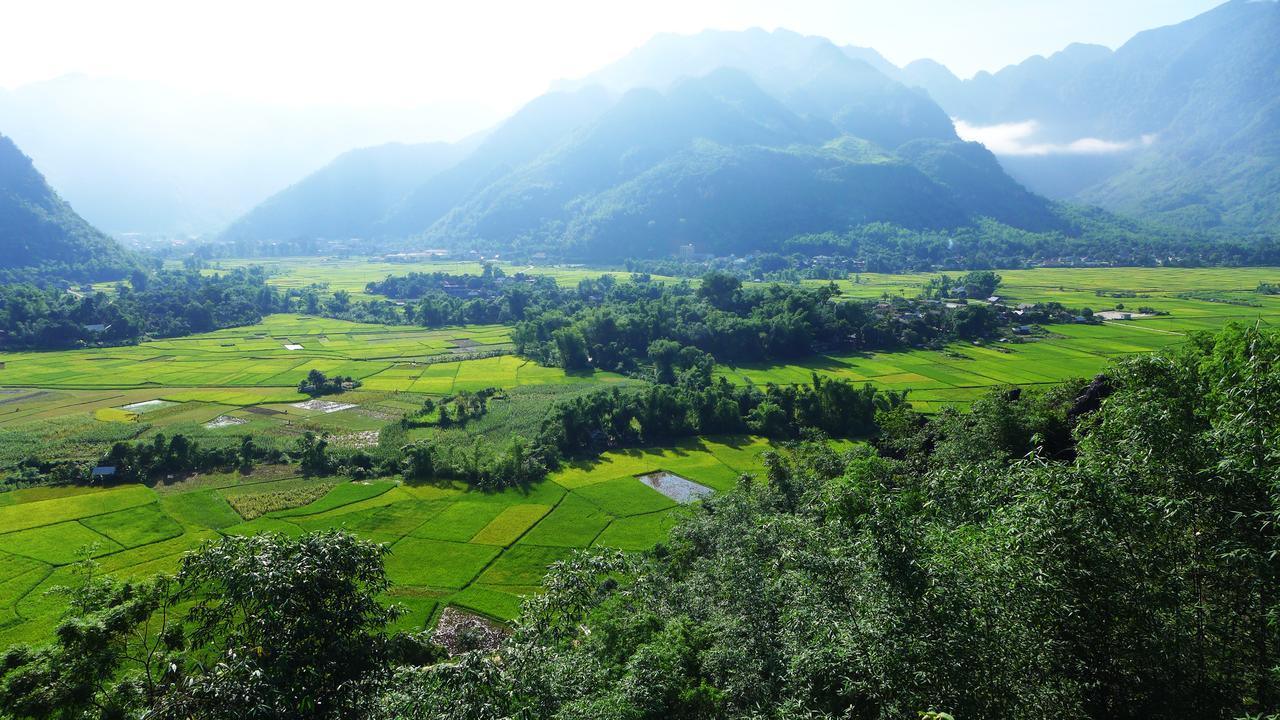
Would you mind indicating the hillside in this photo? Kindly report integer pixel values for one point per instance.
(346, 197)
(145, 157)
(718, 162)
(740, 141)
(1180, 125)
(39, 231)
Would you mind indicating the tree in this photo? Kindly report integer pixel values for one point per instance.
(571, 348)
(138, 280)
(664, 355)
(294, 625)
(312, 456)
(419, 461)
(107, 624)
(720, 289)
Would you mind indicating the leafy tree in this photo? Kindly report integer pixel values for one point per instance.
(720, 289)
(571, 349)
(290, 627)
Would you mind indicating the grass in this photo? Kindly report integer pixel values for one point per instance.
(338, 496)
(204, 508)
(58, 544)
(142, 525)
(510, 524)
(575, 522)
(625, 496)
(435, 563)
(489, 601)
(459, 522)
(47, 512)
(523, 565)
(637, 532)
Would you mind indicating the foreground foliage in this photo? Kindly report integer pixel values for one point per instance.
(968, 569)
(261, 627)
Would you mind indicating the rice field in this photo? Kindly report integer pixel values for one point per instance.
(481, 552)
(955, 377)
(449, 546)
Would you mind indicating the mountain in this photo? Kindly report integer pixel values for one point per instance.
(733, 142)
(1180, 125)
(40, 233)
(719, 162)
(137, 157)
(540, 124)
(348, 196)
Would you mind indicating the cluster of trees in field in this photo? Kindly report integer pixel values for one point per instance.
(180, 454)
(765, 266)
(168, 303)
(658, 413)
(975, 284)
(689, 404)
(317, 384)
(610, 325)
(1102, 549)
(734, 323)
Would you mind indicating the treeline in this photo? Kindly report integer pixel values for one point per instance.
(168, 303)
(606, 324)
(760, 267)
(619, 326)
(658, 413)
(1103, 238)
(579, 427)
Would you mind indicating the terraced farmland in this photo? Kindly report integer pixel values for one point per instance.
(478, 551)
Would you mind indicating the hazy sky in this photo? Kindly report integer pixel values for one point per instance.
(503, 52)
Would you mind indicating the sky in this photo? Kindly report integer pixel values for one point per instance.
(502, 53)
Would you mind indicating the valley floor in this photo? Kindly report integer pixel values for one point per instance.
(451, 546)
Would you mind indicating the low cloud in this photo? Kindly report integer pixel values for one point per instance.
(1020, 139)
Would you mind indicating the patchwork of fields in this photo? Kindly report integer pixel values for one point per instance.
(478, 551)
(937, 379)
(482, 552)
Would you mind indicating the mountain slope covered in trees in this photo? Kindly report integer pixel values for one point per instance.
(1181, 124)
(39, 232)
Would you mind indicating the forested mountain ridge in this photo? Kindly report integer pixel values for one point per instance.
(39, 232)
(1181, 124)
(730, 159)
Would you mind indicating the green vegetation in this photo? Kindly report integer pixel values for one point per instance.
(43, 237)
(1105, 549)
(442, 536)
(968, 569)
(423, 455)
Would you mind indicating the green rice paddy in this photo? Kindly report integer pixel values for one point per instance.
(481, 552)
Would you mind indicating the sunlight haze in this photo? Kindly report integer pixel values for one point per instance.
(501, 53)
